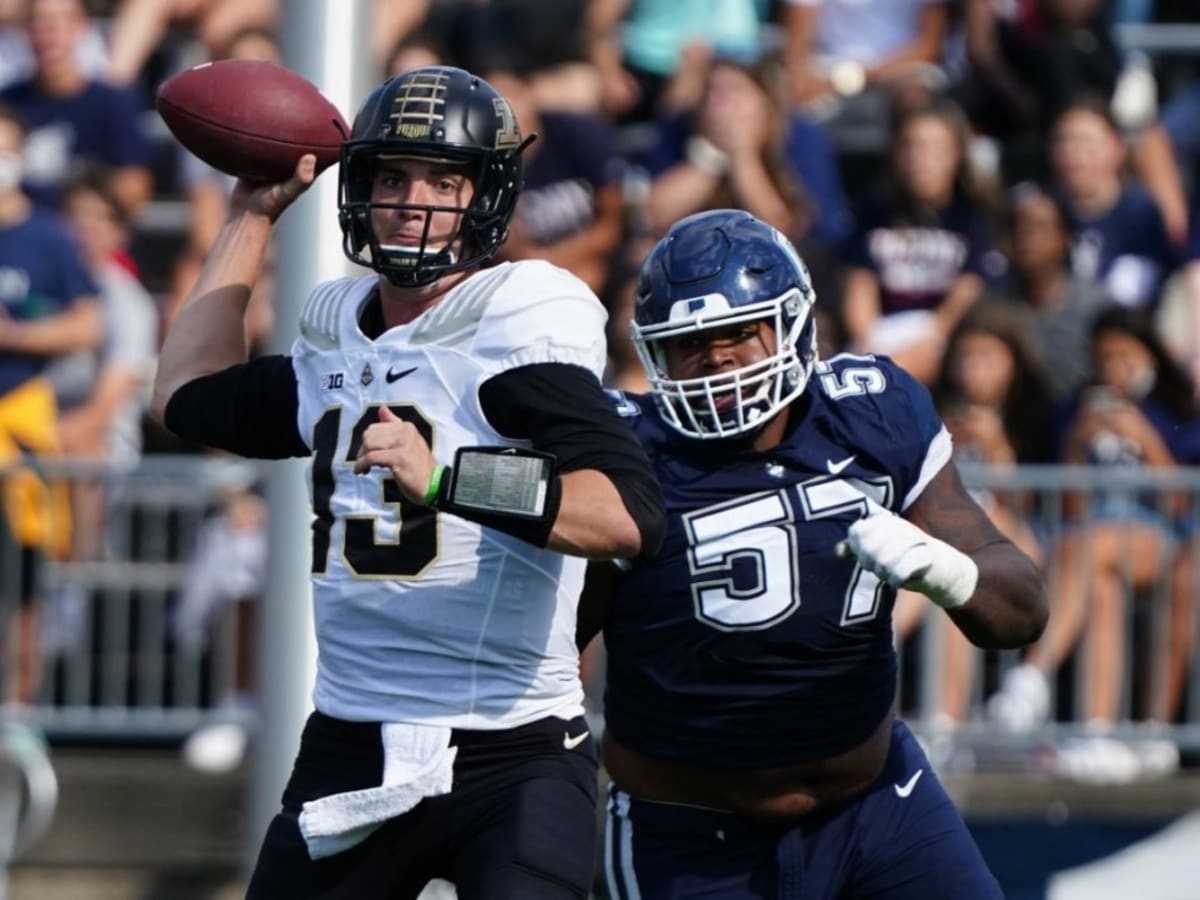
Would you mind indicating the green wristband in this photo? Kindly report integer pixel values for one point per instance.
(435, 484)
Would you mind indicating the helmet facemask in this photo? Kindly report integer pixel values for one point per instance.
(728, 404)
(435, 114)
(480, 231)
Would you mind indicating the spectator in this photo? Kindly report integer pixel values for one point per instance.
(548, 40)
(665, 45)
(922, 247)
(1118, 237)
(1029, 61)
(420, 48)
(74, 120)
(778, 166)
(847, 57)
(224, 581)
(207, 193)
(571, 212)
(1037, 241)
(138, 26)
(1187, 343)
(991, 394)
(16, 56)
(1140, 411)
(47, 308)
(101, 393)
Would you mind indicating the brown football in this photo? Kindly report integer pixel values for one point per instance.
(251, 118)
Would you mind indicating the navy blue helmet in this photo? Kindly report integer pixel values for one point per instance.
(715, 269)
(433, 113)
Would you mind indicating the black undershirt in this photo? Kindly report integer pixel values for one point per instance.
(251, 409)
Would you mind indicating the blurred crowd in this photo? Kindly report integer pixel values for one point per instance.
(1002, 195)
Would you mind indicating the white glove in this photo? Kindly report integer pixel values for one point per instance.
(904, 556)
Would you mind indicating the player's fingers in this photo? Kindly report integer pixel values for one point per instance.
(368, 459)
(306, 169)
(386, 415)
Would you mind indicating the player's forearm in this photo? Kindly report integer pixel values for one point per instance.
(208, 334)
(1009, 607)
(592, 520)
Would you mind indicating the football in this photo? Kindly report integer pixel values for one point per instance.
(251, 118)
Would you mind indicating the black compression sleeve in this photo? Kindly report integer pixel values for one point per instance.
(249, 409)
(562, 409)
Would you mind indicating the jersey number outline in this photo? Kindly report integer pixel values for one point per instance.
(759, 533)
(416, 543)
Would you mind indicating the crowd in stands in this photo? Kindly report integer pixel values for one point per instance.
(998, 194)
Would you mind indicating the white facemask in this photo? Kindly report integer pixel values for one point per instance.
(11, 169)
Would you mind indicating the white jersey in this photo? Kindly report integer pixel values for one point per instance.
(424, 617)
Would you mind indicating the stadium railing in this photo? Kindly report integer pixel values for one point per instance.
(124, 674)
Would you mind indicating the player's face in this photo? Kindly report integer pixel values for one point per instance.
(715, 351)
(418, 183)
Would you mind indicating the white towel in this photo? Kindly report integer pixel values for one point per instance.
(418, 762)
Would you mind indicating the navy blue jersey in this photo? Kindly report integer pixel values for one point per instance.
(748, 643)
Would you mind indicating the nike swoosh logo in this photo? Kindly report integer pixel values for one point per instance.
(903, 790)
(835, 468)
(396, 376)
(572, 742)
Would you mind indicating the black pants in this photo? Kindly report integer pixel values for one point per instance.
(519, 823)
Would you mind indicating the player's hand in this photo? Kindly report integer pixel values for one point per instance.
(904, 556)
(270, 200)
(395, 444)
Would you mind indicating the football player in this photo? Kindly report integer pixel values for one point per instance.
(751, 678)
(464, 460)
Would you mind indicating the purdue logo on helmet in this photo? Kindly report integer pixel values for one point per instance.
(438, 113)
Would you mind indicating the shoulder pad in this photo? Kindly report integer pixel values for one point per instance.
(625, 407)
(319, 319)
(454, 318)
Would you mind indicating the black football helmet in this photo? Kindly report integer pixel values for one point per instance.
(436, 113)
(719, 268)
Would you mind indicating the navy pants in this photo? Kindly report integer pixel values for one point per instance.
(519, 822)
(902, 839)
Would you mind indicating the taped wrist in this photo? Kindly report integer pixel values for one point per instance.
(509, 489)
(951, 577)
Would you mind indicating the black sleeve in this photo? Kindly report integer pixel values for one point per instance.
(562, 409)
(249, 409)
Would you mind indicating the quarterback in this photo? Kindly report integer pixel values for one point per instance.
(465, 460)
(751, 678)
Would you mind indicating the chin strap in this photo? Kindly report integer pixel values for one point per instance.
(905, 556)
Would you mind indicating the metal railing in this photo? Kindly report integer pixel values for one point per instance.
(127, 674)
(113, 663)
